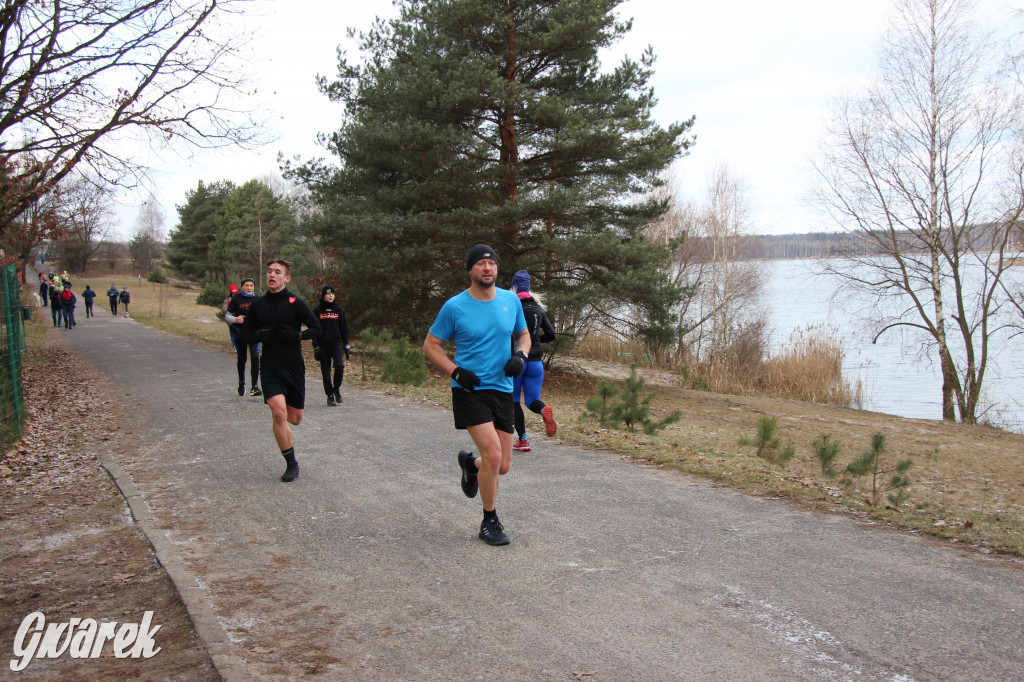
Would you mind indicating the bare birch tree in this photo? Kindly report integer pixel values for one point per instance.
(723, 290)
(926, 166)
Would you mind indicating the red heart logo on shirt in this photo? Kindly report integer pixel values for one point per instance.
(291, 299)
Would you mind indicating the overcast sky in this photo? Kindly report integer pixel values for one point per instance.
(758, 76)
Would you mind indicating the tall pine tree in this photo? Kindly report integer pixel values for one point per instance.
(492, 121)
(200, 219)
(257, 226)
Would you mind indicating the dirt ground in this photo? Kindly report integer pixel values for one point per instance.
(68, 545)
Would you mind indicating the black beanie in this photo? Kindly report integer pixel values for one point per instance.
(328, 289)
(479, 252)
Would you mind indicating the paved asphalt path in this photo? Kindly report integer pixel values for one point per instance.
(369, 566)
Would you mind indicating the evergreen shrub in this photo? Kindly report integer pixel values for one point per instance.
(213, 294)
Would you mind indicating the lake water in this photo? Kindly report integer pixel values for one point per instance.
(899, 374)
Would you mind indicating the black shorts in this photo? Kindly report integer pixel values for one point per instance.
(287, 378)
(472, 408)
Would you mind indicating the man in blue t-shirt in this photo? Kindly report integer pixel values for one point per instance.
(481, 320)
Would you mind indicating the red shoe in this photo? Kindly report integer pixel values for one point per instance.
(550, 427)
(522, 445)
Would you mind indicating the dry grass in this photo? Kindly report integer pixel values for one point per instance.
(967, 481)
(809, 368)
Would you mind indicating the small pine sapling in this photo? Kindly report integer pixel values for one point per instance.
(376, 345)
(404, 364)
(769, 447)
(598, 406)
(634, 408)
(870, 464)
(827, 451)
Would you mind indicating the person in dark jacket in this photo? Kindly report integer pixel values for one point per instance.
(276, 320)
(332, 344)
(55, 308)
(68, 300)
(87, 296)
(235, 314)
(44, 289)
(112, 295)
(528, 385)
(124, 298)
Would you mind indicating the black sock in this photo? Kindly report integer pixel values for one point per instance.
(536, 406)
(289, 455)
(491, 515)
(519, 419)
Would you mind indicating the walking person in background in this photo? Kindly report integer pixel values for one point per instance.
(44, 289)
(124, 298)
(233, 332)
(87, 296)
(238, 307)
(480, 320)
(529, 383)
(276, 320)
(68, 300)
(333, 342)
(55, 306)
(112, 296)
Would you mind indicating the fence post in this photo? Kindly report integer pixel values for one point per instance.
(12, 346)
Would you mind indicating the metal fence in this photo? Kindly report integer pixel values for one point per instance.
(12, 347)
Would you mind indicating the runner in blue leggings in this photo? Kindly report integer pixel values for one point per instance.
(526, 387)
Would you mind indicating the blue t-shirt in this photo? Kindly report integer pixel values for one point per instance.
(481, 330)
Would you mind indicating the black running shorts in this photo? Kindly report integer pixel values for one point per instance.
(472, 408)
(287, 378)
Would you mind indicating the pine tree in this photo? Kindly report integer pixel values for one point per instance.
(491, 121)
(200, 219)
(257, 226)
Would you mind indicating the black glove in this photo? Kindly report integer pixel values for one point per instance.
(465, 378)
(516, 364)
(316, 354)
(346, 352)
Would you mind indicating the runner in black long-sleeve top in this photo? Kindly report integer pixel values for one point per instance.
(235, 316)
(276, 320)
(332, 344)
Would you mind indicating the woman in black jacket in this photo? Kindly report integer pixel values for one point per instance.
(527, 385)
(332, 343)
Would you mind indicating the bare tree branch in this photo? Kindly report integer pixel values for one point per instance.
(80, 77)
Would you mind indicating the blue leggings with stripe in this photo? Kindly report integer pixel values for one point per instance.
(527, 387)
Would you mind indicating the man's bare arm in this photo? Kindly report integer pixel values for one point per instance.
(434, 351)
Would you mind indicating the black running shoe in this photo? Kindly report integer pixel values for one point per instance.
(337, 396)
(330, 401)
(469, 482)
(291, 472)
(493, 533)
(241, 388)
(255, 390)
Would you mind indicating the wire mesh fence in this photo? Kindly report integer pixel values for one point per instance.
(12, 347)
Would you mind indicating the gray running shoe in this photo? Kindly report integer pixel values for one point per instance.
(493, 533)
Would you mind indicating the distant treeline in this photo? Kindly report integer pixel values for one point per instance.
(808, 245)
(827, 245)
